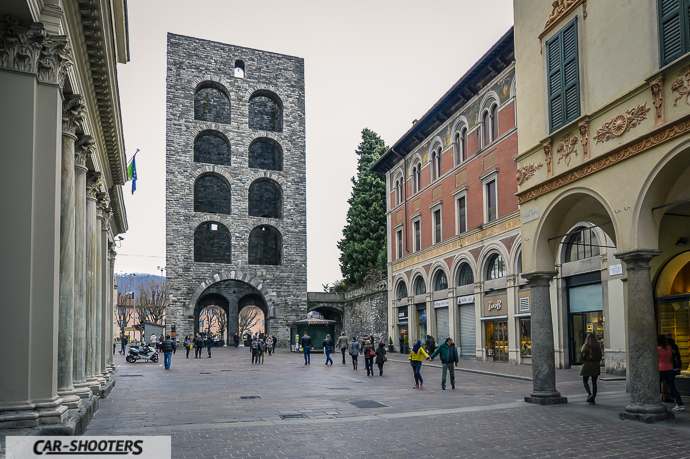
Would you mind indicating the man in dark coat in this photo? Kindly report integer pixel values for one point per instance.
(236, 339)
(449, 358)
(123, 343)
(167, 347)
(306, 346)
(402, 343)
(198, 345)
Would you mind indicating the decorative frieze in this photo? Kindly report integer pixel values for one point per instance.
(622, 123)
(567, 147)
(682, 86)
(560, 9)
(548, 158)
(526, 172)
(73, 113)
(584, 136)
(657, 88)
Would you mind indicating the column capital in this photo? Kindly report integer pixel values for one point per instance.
(20, 46)
(93, 184)
(84, 148)
(73, 113)
(102, 205)
(54, 60)
(540, 278)
(638, 258)
(105, 221)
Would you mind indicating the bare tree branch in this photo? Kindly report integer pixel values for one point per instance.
(249, 317)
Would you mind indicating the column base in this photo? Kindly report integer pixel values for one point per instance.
(18, 416)
(647, 413)
(546, 398)
(53, 412)
(82, 390)
(94, 385)
(70, 399)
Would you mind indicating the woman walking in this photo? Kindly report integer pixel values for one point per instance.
(369, 354)
(666, 372)
(187, 344)
(269, 344)
(381, 357)
(417, 354)
(354, 351)
(591, 359)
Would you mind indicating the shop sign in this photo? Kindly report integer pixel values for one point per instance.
(466, 299)
(615, 270)
(495, 305)
(422, 317)
(441, 303)
(402, 314)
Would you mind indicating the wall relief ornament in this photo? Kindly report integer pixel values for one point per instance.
(622, 123)
(73, 113)
(657, 88)
(567, 147)
(584, 133)
(526, 172)
(561, 8)
(682, 87)
(548, 157)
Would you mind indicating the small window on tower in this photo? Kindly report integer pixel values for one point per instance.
(214, 227)
(239, 69)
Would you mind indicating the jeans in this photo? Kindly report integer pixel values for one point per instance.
(187, 351)
(417, 368)
(197, 352)
(369, 364)
(307, 356)
(380, 368)
(209, 351)
(670, 378)
(343, 352)
(328, 356)
(402, 349)
(354, 362)
(167, 358)
(585, 381)
(255, 356)
(261, 357)
(448, 367)
(122, 350)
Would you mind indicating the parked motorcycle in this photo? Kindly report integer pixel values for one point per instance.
(142, 353)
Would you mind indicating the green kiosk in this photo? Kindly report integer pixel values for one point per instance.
(316, 328)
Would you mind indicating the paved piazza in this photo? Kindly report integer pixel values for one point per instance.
(200, 404)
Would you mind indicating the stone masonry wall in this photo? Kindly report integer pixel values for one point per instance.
(223, 105)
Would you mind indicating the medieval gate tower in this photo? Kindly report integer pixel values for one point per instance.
(235, 184)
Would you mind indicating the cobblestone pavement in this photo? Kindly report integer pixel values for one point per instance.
(308, 411)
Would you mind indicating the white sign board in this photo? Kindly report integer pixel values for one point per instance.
(530, 214)
(441, 304)
(615, 270)
(466, 299)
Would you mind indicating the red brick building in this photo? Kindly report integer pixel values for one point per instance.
(453, 218)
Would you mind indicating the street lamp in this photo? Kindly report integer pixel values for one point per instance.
(161, 269)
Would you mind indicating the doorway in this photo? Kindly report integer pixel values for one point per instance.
(497, 341)
(582, 324)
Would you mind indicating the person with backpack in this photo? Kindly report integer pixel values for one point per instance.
(381, 357)
(417, 354)
(198, 345)
(327, 348)
(369, 354)
(254, 349)
(449, 360)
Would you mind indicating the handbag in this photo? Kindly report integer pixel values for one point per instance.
(372, 354)
(385, 359)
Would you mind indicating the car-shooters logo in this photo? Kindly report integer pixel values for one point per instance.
(89, 447)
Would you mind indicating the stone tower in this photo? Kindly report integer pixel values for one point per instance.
(235, 184)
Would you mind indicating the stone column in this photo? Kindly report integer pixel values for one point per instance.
(111, 305)
(642, 349)
(105, 287)
(93, 184)
(84, 149)
(102, 204)
(543, 361)
(72, 117)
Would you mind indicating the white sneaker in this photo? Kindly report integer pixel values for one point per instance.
(679, 408)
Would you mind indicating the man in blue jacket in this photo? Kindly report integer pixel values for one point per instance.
(167, 347)
(449, 358)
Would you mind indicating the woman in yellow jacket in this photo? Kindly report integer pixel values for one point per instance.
(416, 354)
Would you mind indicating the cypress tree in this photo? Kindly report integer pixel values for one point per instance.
(363, 247)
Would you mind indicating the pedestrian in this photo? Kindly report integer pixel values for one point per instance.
(254, 348)
(417, 354)
(275, 341)
(269, 344)
(677, 366)
(430, 344)
(306, 347)
(369, 354)
(161, 338)
(187, 344)
(262, 350)
(381, 357)
(342, 344)
(198, 344)
(153, 341)
(591, 360)
(401, 339)
(449, 361)
(167, 347)
(236, 340)
(354, 351)
(209, 344)
(327, 348)
(666, 372)
(123, 344)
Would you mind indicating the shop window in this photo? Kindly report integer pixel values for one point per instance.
(465, 275)
(440, 282)
(563, 77)
(417, 228)
(496, 268)
(419, 286)
(673, 29)
(525, 337)
(582, 244)
(402, 291)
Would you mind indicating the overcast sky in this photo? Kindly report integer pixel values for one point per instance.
(378, 64)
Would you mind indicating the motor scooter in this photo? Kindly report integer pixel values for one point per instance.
(142, 353)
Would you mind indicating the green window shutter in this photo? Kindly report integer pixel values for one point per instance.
(564, 77)
(672, 40)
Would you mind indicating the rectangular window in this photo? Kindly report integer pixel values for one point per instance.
(417, 226)
(437, 226)
(491, 211)
(462, 214)
(398, 237)
(563, 77)
(674, 35)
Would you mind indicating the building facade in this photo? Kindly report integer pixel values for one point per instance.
(62, 143)
(605, 205)
(235, 186)
(453, 222)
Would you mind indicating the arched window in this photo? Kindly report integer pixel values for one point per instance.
(496, 267)
(436, 164)
(582, 244)
(212, 147)
(212, 243)
(265, 199)
(519, 264)
(212, 194)
(416, 178)
(419, 286)
(212, 103)
(465, 275)
(239, 69)
(265, 246)
(486, 126)
(440, 282)
(265, 153)
(463, 144)
(494, 122)
(265, 112)
(402, 291)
